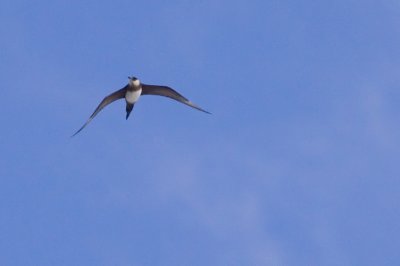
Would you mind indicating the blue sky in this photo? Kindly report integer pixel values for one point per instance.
(298, 165)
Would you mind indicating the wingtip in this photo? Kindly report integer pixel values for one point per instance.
(195, 106)
(79, 130)
(201, 109)
(73, 135)
(204, 111)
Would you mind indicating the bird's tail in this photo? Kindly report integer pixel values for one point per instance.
(129, 107)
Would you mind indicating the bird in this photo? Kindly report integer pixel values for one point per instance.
(132, 92)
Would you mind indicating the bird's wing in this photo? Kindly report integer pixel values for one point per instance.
(119, 94)
(170, 93)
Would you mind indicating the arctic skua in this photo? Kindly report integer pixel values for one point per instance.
(132, 92)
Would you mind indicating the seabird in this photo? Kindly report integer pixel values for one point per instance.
(132, 92)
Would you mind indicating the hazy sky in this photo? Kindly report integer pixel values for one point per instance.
(297, 165)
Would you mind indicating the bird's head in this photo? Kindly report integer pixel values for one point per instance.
(133, 81)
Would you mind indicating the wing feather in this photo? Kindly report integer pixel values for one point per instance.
(170, 93)
(119, 94)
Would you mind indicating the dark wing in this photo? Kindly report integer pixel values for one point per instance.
(119, 94)
(170, 93)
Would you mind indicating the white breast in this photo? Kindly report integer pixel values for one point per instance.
(132, 96)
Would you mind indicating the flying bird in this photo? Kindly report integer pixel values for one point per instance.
(132, 92)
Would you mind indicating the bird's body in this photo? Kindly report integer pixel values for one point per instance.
(132, 92)
(132, 96)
